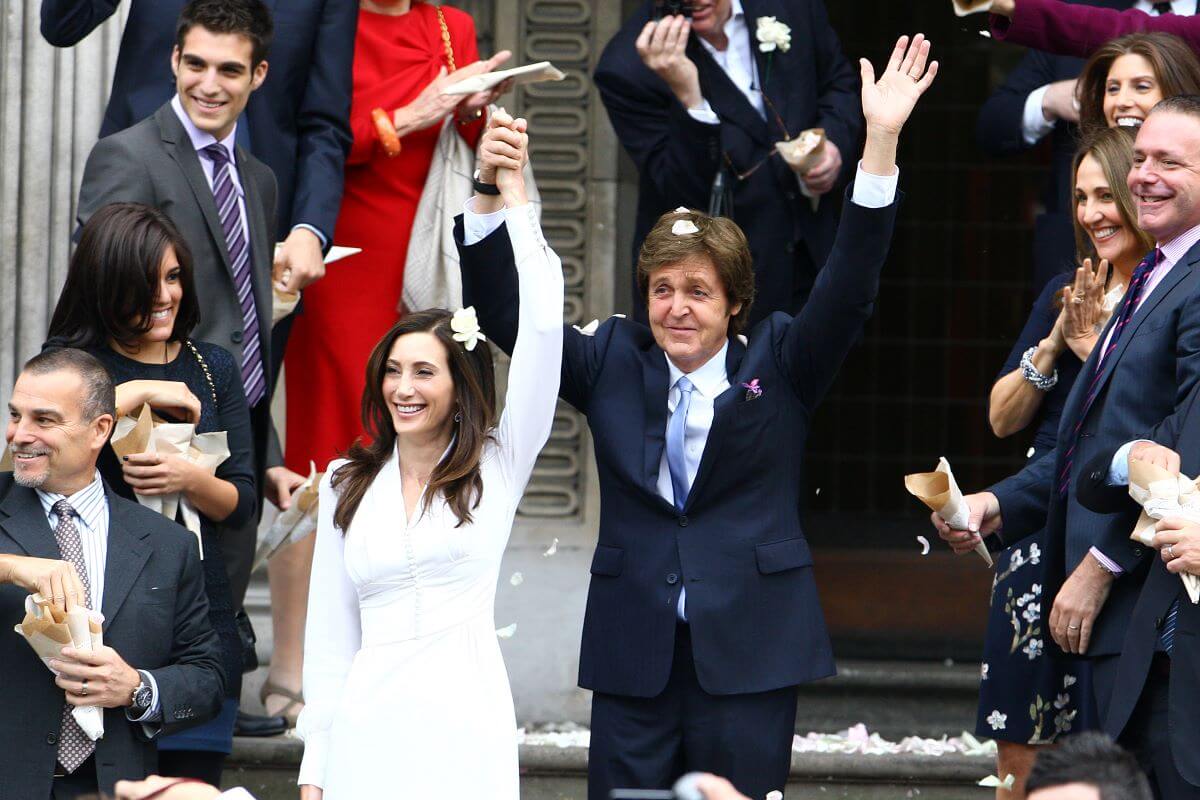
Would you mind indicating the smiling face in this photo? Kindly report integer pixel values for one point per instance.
(1165, 179)
(1130, 90)
(1098, 214)
(689, 311)
(214, 78)
(709, 16)
(419, 387)
(53, 447)
(167, 297)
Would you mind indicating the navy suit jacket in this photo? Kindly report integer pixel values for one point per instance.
(155, 617)
(299, 118)
(1147, 377)
(1180, 432)
(737, 545)
(811, 85)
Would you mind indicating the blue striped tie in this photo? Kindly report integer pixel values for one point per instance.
(230, 213)
(1166, 639)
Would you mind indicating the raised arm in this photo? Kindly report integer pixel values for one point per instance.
(1077, 30)
(66, 22)
(818, 339)
(332, 637)
(533, 375)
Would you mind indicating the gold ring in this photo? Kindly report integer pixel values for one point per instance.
(1171, 550)
(83, 692)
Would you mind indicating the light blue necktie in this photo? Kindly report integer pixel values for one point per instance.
(1166, 639)
(676, 427)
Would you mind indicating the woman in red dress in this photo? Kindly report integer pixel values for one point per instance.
(401, 64)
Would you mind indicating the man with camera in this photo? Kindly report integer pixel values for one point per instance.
(699, 92)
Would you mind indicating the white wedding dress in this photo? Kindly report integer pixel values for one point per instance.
(407, 694)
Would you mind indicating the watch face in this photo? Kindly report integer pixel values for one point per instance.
(141, 698)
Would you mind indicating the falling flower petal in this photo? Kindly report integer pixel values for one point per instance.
(992, 782)
(552, 549)
(1029, 453)
(589, 329)
(517, 579)
(775, 795)
(924, 545)
(683, 227)
(506, 632)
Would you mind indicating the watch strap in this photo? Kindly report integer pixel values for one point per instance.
(484, 188)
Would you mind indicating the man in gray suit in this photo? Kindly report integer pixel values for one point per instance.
(183, 160)
(64, 533)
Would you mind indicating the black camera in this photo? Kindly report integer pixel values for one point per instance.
(669, 8)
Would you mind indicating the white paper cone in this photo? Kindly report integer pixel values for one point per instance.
(90, 718)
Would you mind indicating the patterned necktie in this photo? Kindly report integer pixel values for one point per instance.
(1162, 8)
(676, 429)
(239, 256)
(74, 746)
(1166, 639)
(1137, 284)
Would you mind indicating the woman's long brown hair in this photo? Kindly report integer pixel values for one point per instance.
(457, 477)
(1113, 150)
(1175, 68)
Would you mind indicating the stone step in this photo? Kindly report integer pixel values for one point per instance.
(268, 767)
(895, 698)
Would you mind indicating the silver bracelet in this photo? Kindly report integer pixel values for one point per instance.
(1043, 383)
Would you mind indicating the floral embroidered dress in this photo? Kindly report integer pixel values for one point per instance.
(1025, 695)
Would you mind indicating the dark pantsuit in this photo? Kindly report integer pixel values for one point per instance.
(649, 742)
(1147, 736)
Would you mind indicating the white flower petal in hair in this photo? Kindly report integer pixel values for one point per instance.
(465, 325)
(771, 34)
(683, 227)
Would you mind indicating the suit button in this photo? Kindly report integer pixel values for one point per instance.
(683, 521)
(1158, 622)
(1137, 551)
(51, 738)
(672, 579)
(236, 337)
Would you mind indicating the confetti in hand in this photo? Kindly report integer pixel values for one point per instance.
(552, 549)
(506, 632)
(517, 579)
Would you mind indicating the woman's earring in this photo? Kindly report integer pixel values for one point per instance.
(458, 416)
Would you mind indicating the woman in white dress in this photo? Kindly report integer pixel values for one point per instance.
(406, 688)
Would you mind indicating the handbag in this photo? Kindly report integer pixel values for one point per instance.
(431, 271)
(241, 620)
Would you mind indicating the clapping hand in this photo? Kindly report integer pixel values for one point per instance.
(431, 106)
(662, 46)
(887, 102)
(1083, 308)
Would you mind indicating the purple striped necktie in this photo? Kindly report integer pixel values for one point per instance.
(1137, 284)
(229, 210)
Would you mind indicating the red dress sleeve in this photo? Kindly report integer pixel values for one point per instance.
(1076, 30)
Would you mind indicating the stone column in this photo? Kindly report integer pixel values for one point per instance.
(51, 104)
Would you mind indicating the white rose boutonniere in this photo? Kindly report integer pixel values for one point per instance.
(772, 34)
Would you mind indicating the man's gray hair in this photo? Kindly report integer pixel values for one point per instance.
(1188, 104)
(99, 394)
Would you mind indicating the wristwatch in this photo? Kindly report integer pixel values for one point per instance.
(484, 188)
(142, 695)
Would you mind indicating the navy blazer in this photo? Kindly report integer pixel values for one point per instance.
(155, 617)
(738, 545)
(1147, 377)
(999, 131)
(811, 85)
(298, 119)
(1180, 432)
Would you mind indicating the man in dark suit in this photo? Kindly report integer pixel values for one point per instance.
(1142, 372)
(297, 124)
(183, 160)
(65, 534)
(691, 100)
(702, 615)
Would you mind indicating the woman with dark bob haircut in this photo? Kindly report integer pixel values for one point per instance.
(403, 677)
(129, 300)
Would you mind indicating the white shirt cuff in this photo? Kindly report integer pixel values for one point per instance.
(704, 113)
(237, 793)
(1034, 124)
(476, 226)
(1118, 470)
(874, 191)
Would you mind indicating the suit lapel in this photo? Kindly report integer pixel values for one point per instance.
(723, 408)
(128, 553)
(1178, 272)
(261, 247)
(726, 99)
(654, 394)
(180, 148)
(24, 520)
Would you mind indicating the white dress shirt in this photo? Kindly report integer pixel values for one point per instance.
(91, 520)
(200, 140)
(737, 61)
(1034, 124)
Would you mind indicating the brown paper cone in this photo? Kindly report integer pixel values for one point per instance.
(803, 152)
(137, 439)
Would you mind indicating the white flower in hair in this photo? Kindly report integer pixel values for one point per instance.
(466, 327)
(771, 34)
(683, 227)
